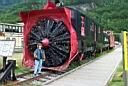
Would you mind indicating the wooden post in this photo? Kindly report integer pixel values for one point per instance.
(125, 56)
(4, 63)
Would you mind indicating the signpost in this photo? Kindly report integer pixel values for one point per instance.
(6, 50)
(125, 56)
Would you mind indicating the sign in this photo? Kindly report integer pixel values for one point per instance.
(6, 48)
(82, 26)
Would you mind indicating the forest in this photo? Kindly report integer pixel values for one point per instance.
(111, 14)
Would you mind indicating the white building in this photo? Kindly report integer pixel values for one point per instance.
(12, 32)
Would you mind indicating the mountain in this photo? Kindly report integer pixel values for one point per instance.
(111, 14)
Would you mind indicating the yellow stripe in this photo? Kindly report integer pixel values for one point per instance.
(125, 51)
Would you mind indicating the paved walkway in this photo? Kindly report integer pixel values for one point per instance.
(96, 73)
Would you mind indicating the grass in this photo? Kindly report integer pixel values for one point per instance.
(104, 53)
(117, 79)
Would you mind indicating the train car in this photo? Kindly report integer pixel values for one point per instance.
(64, 33)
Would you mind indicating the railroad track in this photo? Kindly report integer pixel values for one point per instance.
(48, 78)
(26, 77)
(29, 78)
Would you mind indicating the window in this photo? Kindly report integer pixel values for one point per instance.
(20, 29)
(1, 28)
(6, 28)
(16, 29)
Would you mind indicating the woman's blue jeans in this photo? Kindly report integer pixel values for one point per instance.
(38, 66)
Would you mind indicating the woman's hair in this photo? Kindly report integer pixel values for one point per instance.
(39, 44)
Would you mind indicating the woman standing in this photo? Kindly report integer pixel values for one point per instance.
(39, 55)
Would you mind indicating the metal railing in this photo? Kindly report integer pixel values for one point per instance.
(14, 28)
